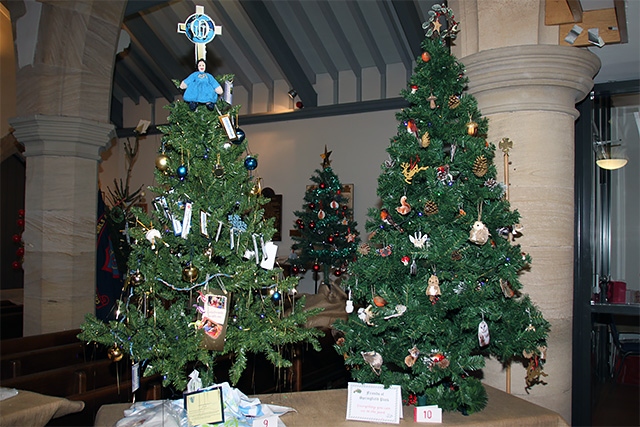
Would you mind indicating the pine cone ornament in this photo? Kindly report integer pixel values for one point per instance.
(480, 166)
(430, 208)
(454, 101)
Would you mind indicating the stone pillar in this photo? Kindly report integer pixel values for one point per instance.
(528, 91)
(60, 228)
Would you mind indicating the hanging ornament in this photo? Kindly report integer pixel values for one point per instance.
(152, 235)
(480, 166)
(181, 171)
(316, 267)
(334, 204)
(385, 216)
(366, 314)
(385, 251)
(364, 249)
(472, 128)
(250, 163)
(454, 101)
(405, 260)
(349, 303)
(276, 296)
(414, 353)
(507, 290)
(443, 175)
(190, 273)
(218, 169)
(404, 207)
(136, 278)
(162, 162)
(479, 233)
(399, 311)
(115, 353)
(321, 214)
(379, 301)
(433, 288)
(312, 225)
(412, 128)
(418, 239)
(374, 359)
(337, 273)
(414, 89)
(409, 169)
(208, 252)
(323, 185)
(483, 333)
(330, 239)
(240, 136)
(426, 57)
(425, 140)
(432, 101)
(430, 207)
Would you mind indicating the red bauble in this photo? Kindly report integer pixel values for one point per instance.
(312, 206)
(21, 213)
(426, 57)
(16, 265)
(20, 252)
(20, 222)
(295, 269)
(316, 267)
(323, 185)
(17, 238)
(299, 104)
(337, 272)
(312, 224)
(330, 239)
(339, 192)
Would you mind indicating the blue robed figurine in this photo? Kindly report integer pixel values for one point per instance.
(201, 88)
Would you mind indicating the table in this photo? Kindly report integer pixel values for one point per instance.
(329, 407)
(34, 409)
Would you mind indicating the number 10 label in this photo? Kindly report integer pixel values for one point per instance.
(427, 414)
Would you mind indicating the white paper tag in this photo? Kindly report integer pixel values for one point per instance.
(135, 377)
(268, 421)
(427, 414)
(186, 221)
(204, 217)
(270, 251)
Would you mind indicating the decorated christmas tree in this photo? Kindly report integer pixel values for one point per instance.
(438, 284)
(327, 239)
(201, 279)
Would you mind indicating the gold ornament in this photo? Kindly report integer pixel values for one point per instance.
(115, 353)
(162, 162)
(426, 140)
(136, 279)
(190, 273)
(472, 128)
(480, 166)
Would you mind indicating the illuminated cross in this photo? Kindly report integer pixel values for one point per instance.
(200, 30)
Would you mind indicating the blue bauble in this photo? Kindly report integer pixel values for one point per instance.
(182, 171)
(241, 135)
(250, 163)
(276, 296)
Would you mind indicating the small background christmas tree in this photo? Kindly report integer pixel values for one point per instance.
(201, 281)
(328, 238)
(438, 282)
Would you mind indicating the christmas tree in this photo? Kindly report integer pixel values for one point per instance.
(201, 278)
(437, 284)
(327, 238)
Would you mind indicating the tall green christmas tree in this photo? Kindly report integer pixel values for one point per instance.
(202, 281)
(328, 238)
(438, 284)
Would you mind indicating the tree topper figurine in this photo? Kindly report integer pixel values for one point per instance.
(201, 88)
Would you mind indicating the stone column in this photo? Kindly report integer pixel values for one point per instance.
(60, 228)
(528, 91)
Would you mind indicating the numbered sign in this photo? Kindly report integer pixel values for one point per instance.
(427, 414)
(270, 421)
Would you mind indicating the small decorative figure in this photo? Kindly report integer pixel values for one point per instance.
(201, 88)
